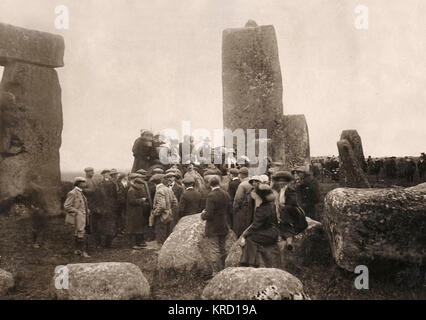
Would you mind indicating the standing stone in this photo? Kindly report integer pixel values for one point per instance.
(350, 172)
(252, 82)
(291, 141)
(253, 91)
(354, 140)
(30, 113)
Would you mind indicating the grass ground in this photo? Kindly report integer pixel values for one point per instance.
(33, 268)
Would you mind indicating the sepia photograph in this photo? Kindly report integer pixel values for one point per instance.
(200, 155)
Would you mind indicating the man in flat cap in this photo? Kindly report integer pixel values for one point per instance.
(243, 206)
(90, 186)
(78, 212)
(139, 204)
(308, 191)
(105, 213)
(164, 205)
(232, 190)
(191, 199)
(177, 191)
(215, 215)
(144, 151)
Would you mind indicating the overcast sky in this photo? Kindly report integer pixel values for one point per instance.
(133, 64)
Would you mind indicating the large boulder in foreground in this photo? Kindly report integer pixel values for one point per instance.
(254, 284)
(187, 251)
(6, 282)
(101, 281)
(309, 248)
(365, 226)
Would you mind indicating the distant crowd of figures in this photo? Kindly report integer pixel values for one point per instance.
(406, 169)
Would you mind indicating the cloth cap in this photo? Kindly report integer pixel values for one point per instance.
(188, 180)
(282, 175)
(105, 171)
(244, 170)
(79, 179)
(89, 169)
(157, 178)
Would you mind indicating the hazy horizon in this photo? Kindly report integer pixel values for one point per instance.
(138, 64)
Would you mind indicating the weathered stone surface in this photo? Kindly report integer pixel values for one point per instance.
(35, 47)
(30, 131)
(310, 247)
(350, 172)
(187, 251)
(291, 141)
(354, 140)
(252, 82)
(6, 282)
(102, 281)
(254, 284)
(364, 225)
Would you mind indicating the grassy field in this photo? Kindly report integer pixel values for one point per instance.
(33, 268)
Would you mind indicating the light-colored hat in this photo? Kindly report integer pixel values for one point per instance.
(264, 178)
(89, 169)
(113, 172)
(304, 169)
(79, 179)
(254, 178)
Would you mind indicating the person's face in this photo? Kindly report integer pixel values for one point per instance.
(256, 184)
(107, 176)
(281, 183)
(90, 174)
(190, 167)
(82, 185)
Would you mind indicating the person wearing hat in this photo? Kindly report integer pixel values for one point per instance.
(177, 190)
(105, 212)
(190, 201)
(215, 214)
(292, 218)
(260, 239)
(307, 188)
(164, 205)
(144, 152)
(232, 190)
(77, 214)
(199, 181)
(138, 208)
(243, 206)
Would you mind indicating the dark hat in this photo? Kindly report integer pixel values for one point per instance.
(113, 172)
(89, 169)
(244, 170)
(135, 175)
(157, 171)
(234, 172)
(188, 180)
(139, 181)
(282, 175)
(157, 178)
(142, 172)
(105, 171)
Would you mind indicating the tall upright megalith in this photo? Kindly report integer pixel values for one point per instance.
(252, 82)
(354, 140)
(253, 92)
(30, 113)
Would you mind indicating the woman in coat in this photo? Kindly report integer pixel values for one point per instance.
(138, 208)
(261, 238)
(291, 216)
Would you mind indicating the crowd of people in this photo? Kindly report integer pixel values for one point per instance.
(404, 168)
(145, 205)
